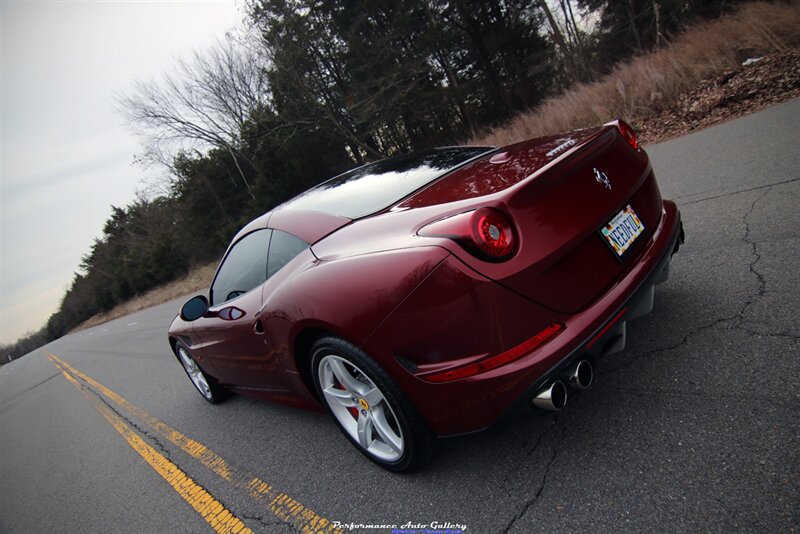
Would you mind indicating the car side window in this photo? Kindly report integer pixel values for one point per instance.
(244, 268)
(282, 249)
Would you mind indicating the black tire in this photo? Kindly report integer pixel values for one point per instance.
(417, 445)
(208, 388)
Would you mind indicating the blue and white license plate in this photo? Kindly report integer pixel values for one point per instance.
(622, 230)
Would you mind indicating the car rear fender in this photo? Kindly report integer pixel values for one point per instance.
(455, 317)
(348, 297)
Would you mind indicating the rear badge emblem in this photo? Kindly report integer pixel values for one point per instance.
(560, 148)
(601, 178)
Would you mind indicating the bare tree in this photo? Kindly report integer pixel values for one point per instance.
(207, 101)
(561, 42)
(579, 50)
(632, 23)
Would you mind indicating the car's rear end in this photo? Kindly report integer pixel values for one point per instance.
(555, 244)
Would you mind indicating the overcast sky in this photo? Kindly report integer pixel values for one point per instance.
(66, 155)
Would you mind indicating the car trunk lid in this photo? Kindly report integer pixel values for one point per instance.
(500, 171)
(559, 191)
(564, 261)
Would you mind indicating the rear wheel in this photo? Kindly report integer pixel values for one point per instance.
(369, 407)
(208, 389)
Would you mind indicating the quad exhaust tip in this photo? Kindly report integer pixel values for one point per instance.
(580, 375)
(552, 398)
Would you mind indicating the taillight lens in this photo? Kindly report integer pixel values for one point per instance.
(497, 360)
(486, 232)
(628, 133)
(492, 233)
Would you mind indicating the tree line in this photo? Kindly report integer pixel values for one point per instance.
(305, 89)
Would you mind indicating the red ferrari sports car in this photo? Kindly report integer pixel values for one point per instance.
(428, 295)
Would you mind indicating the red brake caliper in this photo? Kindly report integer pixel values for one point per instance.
(353, 411)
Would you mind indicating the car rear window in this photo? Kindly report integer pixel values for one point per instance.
(376, 186)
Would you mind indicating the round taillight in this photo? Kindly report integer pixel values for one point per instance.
(628, 134)
(492, 233)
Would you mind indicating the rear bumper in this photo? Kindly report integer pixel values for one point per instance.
(476, 403)
(611, 336)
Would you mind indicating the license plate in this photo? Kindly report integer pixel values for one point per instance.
(622, 230)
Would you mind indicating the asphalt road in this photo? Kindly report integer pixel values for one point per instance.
(694, 427)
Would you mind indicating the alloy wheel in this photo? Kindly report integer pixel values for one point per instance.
(361, 408)
(195, 373)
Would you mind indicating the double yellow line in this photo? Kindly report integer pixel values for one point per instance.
(215, 514)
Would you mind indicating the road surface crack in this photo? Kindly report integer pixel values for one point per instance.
(794, 338)
(530, 503)
(155, 441)
(271, 524)
(738, 317)
(762, 282)
(10, 401)
(739, 192)
(646, 354)
(528, 454)
(162, 448)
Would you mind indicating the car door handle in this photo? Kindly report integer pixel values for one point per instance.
(258, 327)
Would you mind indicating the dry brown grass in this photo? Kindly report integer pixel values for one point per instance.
(649, 84)
(197, 280)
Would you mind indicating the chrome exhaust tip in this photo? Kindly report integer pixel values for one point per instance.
(580, 375)
(552, 398)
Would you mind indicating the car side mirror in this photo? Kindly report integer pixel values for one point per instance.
(194, 308)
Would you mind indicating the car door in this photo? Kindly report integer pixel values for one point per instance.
(231, 334)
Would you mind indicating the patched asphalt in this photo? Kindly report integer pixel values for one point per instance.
(694, 427)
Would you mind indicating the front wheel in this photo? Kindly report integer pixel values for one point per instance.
(369, 407)
(208, 389)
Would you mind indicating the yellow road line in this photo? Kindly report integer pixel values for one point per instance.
(280, 504)
(216, 515)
